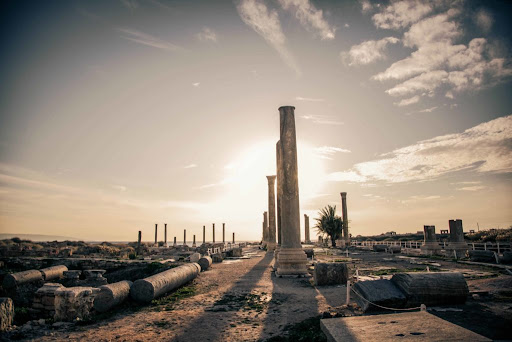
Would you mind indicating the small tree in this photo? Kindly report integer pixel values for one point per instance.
(329, 223)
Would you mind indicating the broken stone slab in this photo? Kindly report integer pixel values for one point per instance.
(145, 290)
(94, 273)
(432, 289)
(194, 257)
(482, 256)
(16, 279)
(217, 257)
(205, 262)
(54, 272)
(74, 303)
(394, 249)
(111, 295)
(72, 274)
(410, 326)
(381, 292)
(330, 273)
(6, 313)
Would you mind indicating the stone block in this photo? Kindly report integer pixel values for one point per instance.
(73, 303)
(332, 273)
(6, 313)
(194, 257)
(217, 257)
(379, 248)
(482, 256)
(381, 292)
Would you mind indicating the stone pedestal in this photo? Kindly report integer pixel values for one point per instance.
(291, 259)
(430, 245)
(457, 242)
(271, 214)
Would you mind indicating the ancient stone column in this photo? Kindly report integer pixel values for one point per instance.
(213, 232)
(165, 235)
(156, 234)
(279, 191)
(139, 242)
(430, 245)
(184, 237)
(223, 233)
(306, 229)
(271, 213)
(194, 242)
(291, 259)
(457, 242)
(204, 235)
(233, 237)
(265, 228)
(346, 236)
(175, 242)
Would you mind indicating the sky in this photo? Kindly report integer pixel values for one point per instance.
(116, 115)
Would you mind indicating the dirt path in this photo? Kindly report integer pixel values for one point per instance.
(236, 300)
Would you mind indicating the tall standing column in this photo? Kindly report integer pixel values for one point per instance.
(233, 237)
(194, 241)
(430, 245)
(457, 242)
(265, 228)
(204, 235)
(213, 232)
(156, 234)
(346, 236)
(291, 259)
(139, 242)
(175, 244)
(279, 179)
(223, 233)
(184, 237)
(306, 229)
(271, 213)
(165, 235)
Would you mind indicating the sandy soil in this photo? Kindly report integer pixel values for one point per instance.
(242, 300)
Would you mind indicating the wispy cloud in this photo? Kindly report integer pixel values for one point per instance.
(120, 188)
(322, 119)
(472, 188)
(407, 102)
(328, 151)
(428, 110)
(310, 17)
(190, 166)
(484, 20)
(400, 13)
(483, 148)
(148, 40)
(368, 52)
(130, 4)
(413, 199)
(196, 84)
(308, 99)
(265, 22)
(207, 34)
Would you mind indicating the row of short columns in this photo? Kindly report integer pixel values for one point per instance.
(456, 242)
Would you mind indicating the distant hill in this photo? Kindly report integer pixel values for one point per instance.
(37, 237)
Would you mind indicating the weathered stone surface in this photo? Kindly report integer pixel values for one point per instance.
(432, 288)
(394, 249)
(44, 299)
(145, 290)
(271, 213)
(235, 252)
(194, 257)
(330, 273)
(6, 313)
(111, 295)
(54, 272)
(20, 278)
(217, 257)
(205, 262)
(410, 326)
(73, 303)
(381, 292)
(507, 258)
(379, 248)
(482, 256)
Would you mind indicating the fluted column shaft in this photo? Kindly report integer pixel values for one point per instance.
(271, 212)
(279, 188)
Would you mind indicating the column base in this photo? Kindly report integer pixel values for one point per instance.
(271, 246)
(430, 248)
(291, 262)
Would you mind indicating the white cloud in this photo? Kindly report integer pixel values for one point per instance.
(346, 25)
(472, 188)
(326, 152)
(190, 166)
(484, 20)
(401, 14)
(322, 119)
(366, 6)
(309, 17)
(309, 99)
(265, 22)
(148, 40)
(368, 52)
(428, 110)
(207, 34)
(407, 102)
(196, 84)
(417, 198)
(483, 148)
(439, 63)
(130, 4)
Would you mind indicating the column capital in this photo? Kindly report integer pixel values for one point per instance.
(271, 179)
(343, 194)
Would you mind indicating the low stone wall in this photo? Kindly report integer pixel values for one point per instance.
(44, 300)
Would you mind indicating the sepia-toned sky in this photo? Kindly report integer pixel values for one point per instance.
(116, 115)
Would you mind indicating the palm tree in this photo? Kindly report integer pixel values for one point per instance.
(329, 224)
